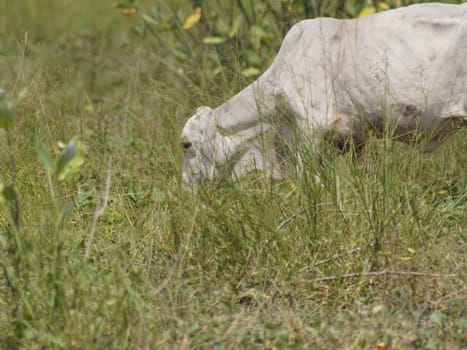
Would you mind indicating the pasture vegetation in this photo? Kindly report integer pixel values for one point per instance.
(168, 268)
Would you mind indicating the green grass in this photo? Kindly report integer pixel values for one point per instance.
(171, 269)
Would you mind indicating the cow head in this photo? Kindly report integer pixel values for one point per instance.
(212, 149)
(198, 143)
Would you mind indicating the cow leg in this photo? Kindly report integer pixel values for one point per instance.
(449, 127)
(346, 134)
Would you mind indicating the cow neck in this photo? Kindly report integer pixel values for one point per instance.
(243, 111)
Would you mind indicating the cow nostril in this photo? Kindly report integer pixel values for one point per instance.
(186, 144)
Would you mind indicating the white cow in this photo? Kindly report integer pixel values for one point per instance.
(405, 67)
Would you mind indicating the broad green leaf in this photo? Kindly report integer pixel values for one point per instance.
(258, 31)
(180, 55)
(254, 59)
(431, 344)
(8, 194)
(44, 156)
(149, 19)
(122, 4)
(22, 94)
(157, 24)
(118, 5)
(9, 197)
(65, 215)
(69, 161)
(236, 24)
(2, 186)
(438, 317)
(214, 40)
(7, 113)
(258, 36)
(462, 323)
(221, 26)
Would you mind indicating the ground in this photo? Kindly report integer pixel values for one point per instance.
(167, 268)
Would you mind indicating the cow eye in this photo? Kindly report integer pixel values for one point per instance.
(186, 144)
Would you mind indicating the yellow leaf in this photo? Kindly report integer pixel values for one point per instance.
(404, 258)
(250, 72)
(442, 191)
(383, 6)
(411, 250)
(71, 158)
(377, 309)
(367, 10)
(192, 19)
(128, 12)
(381, 346)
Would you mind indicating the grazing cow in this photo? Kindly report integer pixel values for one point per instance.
(405, 67)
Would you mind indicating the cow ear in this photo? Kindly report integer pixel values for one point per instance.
(203, 110)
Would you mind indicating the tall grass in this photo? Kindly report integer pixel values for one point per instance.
(173, 269)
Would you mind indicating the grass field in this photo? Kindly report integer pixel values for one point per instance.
(169, 269)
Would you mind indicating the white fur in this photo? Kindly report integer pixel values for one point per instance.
(407, 64)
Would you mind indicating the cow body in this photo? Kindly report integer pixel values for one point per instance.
(405, 67)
